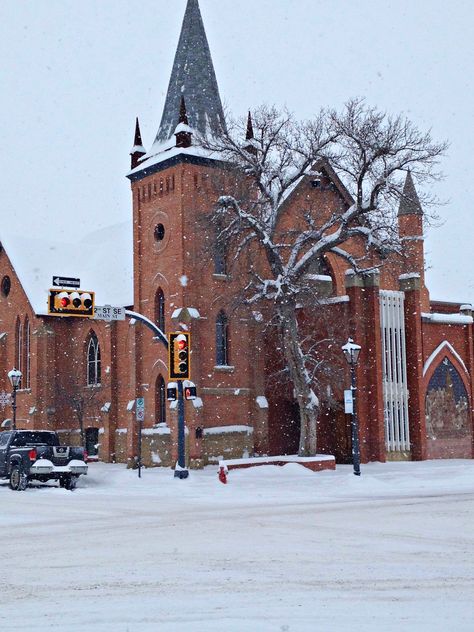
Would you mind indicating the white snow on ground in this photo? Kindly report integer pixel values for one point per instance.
(276, 549)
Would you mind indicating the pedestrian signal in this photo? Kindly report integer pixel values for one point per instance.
(172, 392)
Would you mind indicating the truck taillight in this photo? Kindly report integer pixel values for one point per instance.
(32, 454)
(86, 456)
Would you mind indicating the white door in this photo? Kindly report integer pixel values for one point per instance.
(395, 392)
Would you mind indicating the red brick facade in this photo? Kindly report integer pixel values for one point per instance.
(173, 259)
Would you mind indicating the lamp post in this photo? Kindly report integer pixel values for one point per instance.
(15, 378)
(351, 353)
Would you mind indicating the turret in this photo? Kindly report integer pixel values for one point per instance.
(138, 151)
(183, 132)
(410, 226)
(250, 145)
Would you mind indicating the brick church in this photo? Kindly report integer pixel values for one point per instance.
(416, 368)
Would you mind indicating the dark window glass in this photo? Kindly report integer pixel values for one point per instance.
(220, 261)
(222, 340)
(93, 361)
(35, 438)
(4, 437)
(6, 285)
(92, 441)
(26, 355)
(159, 232)
(160, 309)
(19, 349)
(160, 401)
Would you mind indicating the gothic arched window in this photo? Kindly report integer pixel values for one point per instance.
(160, 309)
(19, 348)
(93, 361)
(222, 339)
(26, 354)
(220, 262)
(160, 400)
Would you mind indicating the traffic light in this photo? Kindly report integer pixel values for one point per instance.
(179, 365)
(71, 303)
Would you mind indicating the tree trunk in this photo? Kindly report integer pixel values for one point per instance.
(294, 356)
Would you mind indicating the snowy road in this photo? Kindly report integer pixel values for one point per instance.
(277, 549)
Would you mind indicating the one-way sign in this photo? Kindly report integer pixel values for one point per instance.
(66, 282)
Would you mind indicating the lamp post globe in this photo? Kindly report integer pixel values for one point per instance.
(15, 379)
(351, 352)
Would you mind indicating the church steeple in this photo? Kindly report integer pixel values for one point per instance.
(193, 75)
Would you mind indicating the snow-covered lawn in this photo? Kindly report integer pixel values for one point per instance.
(277, 549)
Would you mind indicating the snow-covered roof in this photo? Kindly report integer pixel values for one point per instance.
(162, 152)
(102, 260)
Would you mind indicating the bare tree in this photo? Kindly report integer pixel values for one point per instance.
(371, 151)
(80, 400)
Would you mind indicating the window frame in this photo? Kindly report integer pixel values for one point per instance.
(94, 361)
(222, 339)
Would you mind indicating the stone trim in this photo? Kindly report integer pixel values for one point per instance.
(221, 391)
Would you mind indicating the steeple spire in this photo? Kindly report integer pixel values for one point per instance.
(250, 145)
(183, 115)
(249, 135)
(137, 150)
(193, 75)
(409, 202)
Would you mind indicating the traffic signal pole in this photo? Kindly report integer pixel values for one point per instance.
(180, 471)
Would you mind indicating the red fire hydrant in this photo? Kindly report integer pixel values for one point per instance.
(223, 474)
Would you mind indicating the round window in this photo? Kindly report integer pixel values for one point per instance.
(6, 285)
(159, 232)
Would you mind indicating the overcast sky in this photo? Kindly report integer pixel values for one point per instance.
(74, 75)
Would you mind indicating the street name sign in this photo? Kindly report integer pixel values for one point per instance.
(140, 412)
(348, 402)
(107, 312)
(59, 281)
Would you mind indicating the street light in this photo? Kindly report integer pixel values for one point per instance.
(15, 378)
(351, 353)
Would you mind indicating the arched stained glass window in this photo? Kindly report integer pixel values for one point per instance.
(26, 354)
(160, 400)
(220, 260)
(222, 339)
(19, 348)
(93, 361)
(160, 309)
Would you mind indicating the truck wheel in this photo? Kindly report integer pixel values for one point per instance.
(18, 479)
(68, 482)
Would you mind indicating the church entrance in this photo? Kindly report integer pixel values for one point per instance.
(92, 441)
(283, 426)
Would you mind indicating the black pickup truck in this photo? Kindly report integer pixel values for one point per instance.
(27, 455)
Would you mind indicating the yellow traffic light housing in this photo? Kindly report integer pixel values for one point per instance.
(179, 362)
(71, 303)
